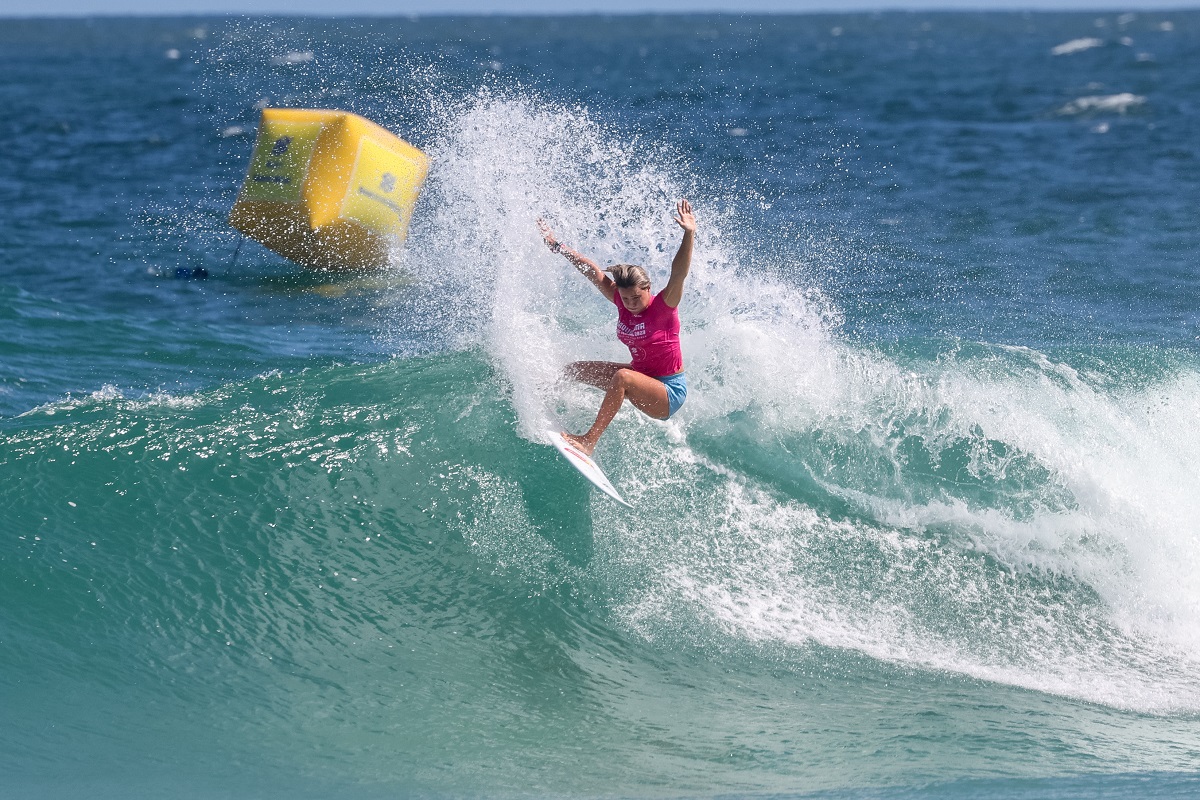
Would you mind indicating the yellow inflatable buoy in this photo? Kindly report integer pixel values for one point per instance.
(328, 189)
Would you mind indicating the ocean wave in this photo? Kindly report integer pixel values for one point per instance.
(1004, 483)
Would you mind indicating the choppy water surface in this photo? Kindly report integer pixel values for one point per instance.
(927, 526)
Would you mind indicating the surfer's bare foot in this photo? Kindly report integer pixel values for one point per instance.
(580, 444)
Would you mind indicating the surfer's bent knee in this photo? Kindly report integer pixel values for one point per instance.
(622, 377)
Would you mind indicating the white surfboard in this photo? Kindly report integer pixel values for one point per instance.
(584, 463)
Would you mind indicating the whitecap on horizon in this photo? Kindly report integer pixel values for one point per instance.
(1076, 46)
(1118, 103)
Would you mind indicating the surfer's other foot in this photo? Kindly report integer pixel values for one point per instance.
(579, 443)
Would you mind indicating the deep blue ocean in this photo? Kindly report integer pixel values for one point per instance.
(927, 527)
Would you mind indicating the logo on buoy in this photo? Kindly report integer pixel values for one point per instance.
(387, 182)
(281, 145)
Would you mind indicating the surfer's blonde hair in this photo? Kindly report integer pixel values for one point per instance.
(627, 276)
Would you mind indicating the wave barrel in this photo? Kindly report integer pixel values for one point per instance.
(328, 189)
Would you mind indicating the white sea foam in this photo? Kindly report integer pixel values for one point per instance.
(112, 395)
(999, 514)
(105, 394)
(1116, 103)
(1093, 598)
(1076, 46)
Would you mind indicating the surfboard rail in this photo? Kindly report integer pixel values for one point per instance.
(586, 465)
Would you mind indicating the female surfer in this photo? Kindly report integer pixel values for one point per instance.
(648, 324)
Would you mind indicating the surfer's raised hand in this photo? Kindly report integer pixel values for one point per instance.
(549, 237)
(684, 217)
(682, 263)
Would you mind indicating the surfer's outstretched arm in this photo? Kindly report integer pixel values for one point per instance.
(588, 268)
(682, 263)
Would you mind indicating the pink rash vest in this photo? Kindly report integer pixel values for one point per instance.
(652, 337)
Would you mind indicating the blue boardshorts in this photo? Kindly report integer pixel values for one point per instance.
(676, 391)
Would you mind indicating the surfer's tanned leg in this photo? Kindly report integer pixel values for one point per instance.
(647, 394)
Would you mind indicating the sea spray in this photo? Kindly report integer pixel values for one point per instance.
(503, 163)
(925, 522)
(976, 513)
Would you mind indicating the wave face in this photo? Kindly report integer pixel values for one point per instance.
(928, 516)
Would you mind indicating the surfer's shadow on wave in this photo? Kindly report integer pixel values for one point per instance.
(559, 507)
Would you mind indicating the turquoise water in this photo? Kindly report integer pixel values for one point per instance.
(926, 527)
